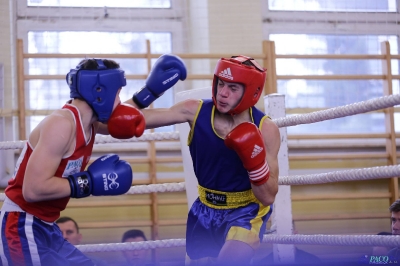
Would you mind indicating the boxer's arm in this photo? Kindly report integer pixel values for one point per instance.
(52, 139)
(266, 192)
(165, 73)
(181, 112)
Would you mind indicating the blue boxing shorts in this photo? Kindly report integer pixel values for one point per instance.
(216, 217)
(27, 240)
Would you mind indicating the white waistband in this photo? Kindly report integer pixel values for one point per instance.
(10, 206)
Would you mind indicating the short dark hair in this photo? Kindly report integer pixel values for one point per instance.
(91, 64)
(132, 234)
(384, 234)
(67, 219)
(395, 207)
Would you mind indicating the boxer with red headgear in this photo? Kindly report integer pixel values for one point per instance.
(234, 148)
(244, 70)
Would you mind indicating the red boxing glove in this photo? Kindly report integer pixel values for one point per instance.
(246, 140)
(126, 122)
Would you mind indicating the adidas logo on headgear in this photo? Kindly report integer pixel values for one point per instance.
(257, 149)
(226, 73)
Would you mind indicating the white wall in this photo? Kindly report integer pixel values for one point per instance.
(7, 59)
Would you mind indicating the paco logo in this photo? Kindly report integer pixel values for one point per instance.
(379, 260)
(366, 259)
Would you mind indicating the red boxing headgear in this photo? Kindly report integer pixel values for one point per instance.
(245, 70)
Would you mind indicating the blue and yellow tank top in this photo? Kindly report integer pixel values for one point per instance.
(216, 166)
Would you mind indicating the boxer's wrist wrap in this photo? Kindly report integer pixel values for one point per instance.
(80, 185)
(259, 176)
(144, 97)
(135, 100)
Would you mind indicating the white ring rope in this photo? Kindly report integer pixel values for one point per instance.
(132, 245)
(334, 240)
(336, 176)
(328, 240)
(12, 145)
(145, 137)
(340, 111)
(8, 145)
(166, 187)
(144, 189)
(378, 172)
(336, 112)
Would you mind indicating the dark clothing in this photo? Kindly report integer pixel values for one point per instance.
(216, 166)
(301, 258)
(130, 264)
(394, 255)
(97, 261)
(226, 208)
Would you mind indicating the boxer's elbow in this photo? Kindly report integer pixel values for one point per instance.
(30, 194)
(269, 195)
(266, 201)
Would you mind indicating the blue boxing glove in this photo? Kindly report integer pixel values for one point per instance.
(106, 176)
(165, 73)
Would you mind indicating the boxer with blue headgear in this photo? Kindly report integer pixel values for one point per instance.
(97, 87)
(52, 167)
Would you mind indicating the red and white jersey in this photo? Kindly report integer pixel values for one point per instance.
(49, 210)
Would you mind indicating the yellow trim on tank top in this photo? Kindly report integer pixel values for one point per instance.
(190, 135)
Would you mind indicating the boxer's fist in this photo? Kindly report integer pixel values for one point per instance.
(106, 176)
(246, 140)
(126, 122)
(165, 73)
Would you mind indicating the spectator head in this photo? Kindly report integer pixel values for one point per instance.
(134, 233)
(395, 217)
(70, 230)
(135, 257)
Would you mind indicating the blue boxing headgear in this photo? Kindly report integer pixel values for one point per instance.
(98, 87)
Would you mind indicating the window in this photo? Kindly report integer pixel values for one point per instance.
(76, 27)
(102, 3)
(331, 93)
(52, 94)
(332, 31)
(334, 5)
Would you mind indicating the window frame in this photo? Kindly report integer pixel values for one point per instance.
(330, 22)
(23, 10)
(174, 27)
(169, 20)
